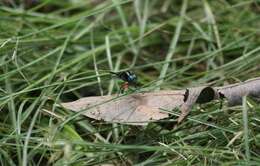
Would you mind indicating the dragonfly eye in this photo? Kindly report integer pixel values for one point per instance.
(132, 78)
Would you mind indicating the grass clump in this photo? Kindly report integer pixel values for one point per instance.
(53, 51)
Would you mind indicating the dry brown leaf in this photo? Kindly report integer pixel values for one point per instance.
(195, 95)
(141, 108)
(136, 109)
(235, 92)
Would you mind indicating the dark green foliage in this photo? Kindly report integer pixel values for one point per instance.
(56, 51)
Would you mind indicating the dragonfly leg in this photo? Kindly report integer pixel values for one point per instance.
(124, 87)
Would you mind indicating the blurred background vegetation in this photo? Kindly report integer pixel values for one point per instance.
(53, 51)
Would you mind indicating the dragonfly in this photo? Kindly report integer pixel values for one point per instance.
(86, 85)
(129, 78)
